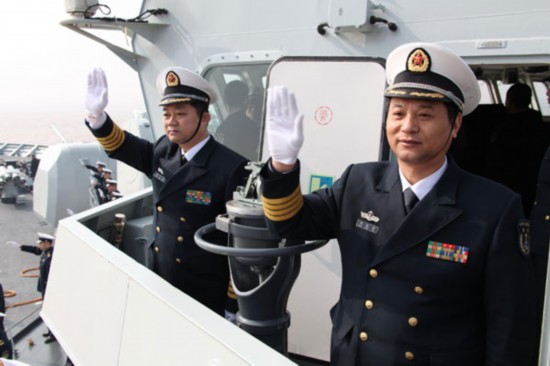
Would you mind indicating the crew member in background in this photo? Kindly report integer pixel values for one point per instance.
(517, 146)
(193, 177)
(97, 170)
(238, 131)
(98, 190)
(6, 349)
(112, 190)
(447, 281)
(45, 251)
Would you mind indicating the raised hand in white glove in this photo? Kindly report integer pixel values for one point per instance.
(97, 97)
(13, 244)
(284, 125)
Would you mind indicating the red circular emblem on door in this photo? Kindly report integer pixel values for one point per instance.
(323, 115)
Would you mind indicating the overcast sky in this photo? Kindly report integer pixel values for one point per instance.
(44, 69)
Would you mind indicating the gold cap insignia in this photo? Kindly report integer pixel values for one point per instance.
(418, 61)
(172, 79)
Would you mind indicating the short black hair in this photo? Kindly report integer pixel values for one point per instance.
(199, 106)
(235, 93)
(519, 95)
(452, 110)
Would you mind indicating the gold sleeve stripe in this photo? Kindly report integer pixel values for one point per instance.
(230, 291)
(114, 140)
(280, 209)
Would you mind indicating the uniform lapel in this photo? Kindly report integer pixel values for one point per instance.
(390, 197)
(171, 162)
(193, 170)
(430, 215)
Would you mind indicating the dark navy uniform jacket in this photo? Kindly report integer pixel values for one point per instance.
(185, 198)
(45, 263)
(540, 228)
(447, 284)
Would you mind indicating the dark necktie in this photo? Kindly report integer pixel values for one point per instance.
(183, 160)
(410, 199)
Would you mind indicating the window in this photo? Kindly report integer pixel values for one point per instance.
(237, 114)
(540, 90)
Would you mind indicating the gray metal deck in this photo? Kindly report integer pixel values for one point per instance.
(23, 324)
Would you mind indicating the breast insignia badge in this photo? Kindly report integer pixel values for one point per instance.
(524, 240)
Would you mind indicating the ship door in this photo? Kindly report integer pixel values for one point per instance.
(342, 100)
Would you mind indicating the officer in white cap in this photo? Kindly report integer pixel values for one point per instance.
(436, 266)
(192, 175)
(44, 249)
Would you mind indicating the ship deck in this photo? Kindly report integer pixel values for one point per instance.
(22, 322)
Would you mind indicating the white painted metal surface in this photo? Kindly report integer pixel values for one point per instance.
(107, 309)
(493, 35)
(342, 103)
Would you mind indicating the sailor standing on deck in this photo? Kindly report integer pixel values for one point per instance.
(45, 251)
(447, 281)
(193, 177)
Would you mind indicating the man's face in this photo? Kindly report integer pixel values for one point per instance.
(419, 132)
(44, 244)
(180, 122)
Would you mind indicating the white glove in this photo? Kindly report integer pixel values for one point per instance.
(97, 98)
(13, 244)
(284, 125)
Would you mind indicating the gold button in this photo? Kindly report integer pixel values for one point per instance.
(178, 261)
(369, 304)
(158, 229)
(419, 290)
(547, 217)
(409, 355)
(363, 336)
(180, 238)
(157, 249)
(159, 208)
(373, 273)
(413, 322)
(182, 219)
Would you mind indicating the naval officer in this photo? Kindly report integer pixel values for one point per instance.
(193, 176)
(45, 251)
(445, 281)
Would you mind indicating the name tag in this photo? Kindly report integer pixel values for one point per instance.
(361, 224)
(159, 176)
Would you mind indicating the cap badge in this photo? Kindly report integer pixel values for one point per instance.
(418, 61)
(172, 79)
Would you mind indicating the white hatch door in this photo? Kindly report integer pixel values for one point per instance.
(342, 100)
